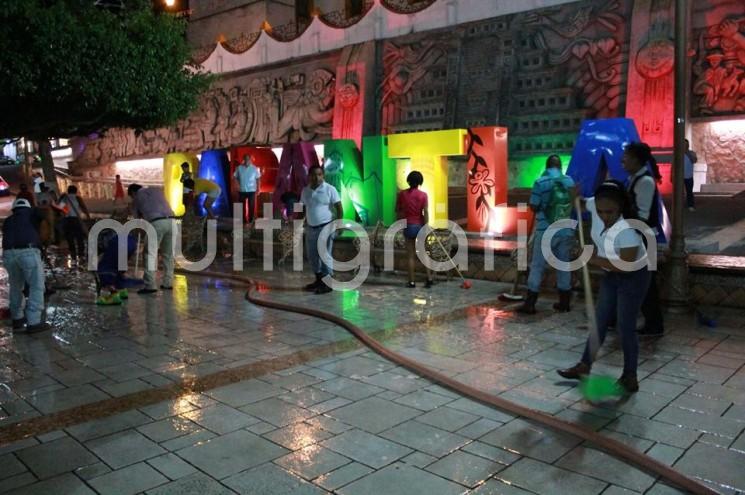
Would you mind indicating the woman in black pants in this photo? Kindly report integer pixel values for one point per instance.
(72, 224)
(644, 175)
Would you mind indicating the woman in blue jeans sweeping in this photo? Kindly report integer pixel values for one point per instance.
(622, 288)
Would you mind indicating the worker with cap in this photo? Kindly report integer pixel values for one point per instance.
(24, 231)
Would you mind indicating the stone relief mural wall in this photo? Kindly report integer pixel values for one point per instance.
(718, 74)
(540, 73)
(277, 107)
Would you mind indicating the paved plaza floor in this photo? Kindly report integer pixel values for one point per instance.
(199, 391)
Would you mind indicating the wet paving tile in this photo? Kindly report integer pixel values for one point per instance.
(401, 479)
(121, 449)
(269, 480)
(230, 454)
(368, 449)
(66, 483)
(449, 419)
(11, 466)
(542, 478)
(128, 481)
(714, 463)
(425, 438)
(196, 483)
(532, 440)
(343, 476)
(298, 435)
(171, 466)
(277, 412)
(167, 429)
(56, 457)
(220, 418)
(464, 468)
(67, 398)
(311, 462)
(596, 464)
(374, 414)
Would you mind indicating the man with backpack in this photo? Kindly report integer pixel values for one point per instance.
(551, 199)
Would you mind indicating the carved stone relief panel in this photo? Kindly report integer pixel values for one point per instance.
(718, 72)
(412, 90)
(274, 107)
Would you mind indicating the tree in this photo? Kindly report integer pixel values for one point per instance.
(69, 68)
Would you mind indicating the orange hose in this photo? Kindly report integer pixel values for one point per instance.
(609, 445)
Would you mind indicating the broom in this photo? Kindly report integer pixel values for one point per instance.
(465, 284)
(514, 296)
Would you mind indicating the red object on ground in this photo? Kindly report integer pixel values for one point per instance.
(466, 284)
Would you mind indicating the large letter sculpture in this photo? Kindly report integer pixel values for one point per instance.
(486, 184)
(172, 187)
(342, 166)
(214, 166)
(427, 152)
(379, 190)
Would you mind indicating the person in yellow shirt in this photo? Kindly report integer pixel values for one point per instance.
(212, 191)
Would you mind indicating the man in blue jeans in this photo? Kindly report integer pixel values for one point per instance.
(551, 199)
(322, 203)
(23, 233)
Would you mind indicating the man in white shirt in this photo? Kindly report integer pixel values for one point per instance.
(322, 205)
(247, 175)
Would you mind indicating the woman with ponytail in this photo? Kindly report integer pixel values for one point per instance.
(644, 174)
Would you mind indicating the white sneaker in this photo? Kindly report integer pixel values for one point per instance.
(691, 208)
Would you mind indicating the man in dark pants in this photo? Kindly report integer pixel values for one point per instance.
(247, 175)
(23, 234)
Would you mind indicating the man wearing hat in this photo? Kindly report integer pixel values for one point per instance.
(23, 234)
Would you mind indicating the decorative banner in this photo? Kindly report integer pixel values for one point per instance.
(343, 169)
(427, 152)
(486, 185)
(379, 188)
(172, 187)
(215, 166)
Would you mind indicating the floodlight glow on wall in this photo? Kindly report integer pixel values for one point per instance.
(172, 186)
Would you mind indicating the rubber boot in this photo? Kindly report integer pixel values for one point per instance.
(564, 304)
(528, 307)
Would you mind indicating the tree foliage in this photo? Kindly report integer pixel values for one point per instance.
(69, 68)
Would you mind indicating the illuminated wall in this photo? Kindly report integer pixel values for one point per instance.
(172, 187)
(379, 189)
(486, 185)
(342, 166)
(215, 166)
(427, 152)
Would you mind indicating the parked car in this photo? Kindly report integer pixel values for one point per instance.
(4, 188)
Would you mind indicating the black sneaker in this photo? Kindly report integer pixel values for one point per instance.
(39, 327)
(411, 285)
(323, 289)
(19, 323)
(166, 287)
(145, 291)
(429, 284)
(629, 383)
(650, 333)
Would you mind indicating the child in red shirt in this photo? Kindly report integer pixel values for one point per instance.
(411, 205)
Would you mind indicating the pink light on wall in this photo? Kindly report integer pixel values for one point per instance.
(503, 220)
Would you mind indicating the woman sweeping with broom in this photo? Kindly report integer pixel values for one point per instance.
(621, 291)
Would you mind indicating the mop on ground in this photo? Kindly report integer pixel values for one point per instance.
(515, 296)
(594, 388)
(465, 284)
